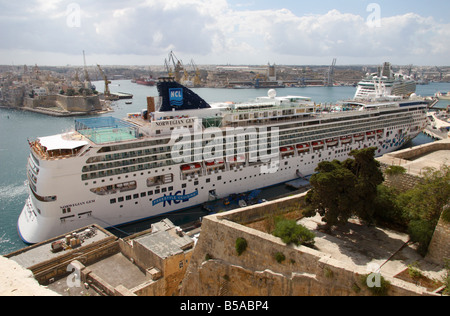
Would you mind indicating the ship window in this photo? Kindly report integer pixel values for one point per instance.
(135, 196)
(121, 199)
(128, 197)
(112, 201)
(143, 194)
(150, 192)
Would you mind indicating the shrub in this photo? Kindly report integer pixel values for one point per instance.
(381, 290)
(290, 232)
(241, 246)
(279, 257)
(446, 215)
(421, 231)
(395, 170)
(413, 271)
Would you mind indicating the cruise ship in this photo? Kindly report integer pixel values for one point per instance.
(181, 152)
(385, 82)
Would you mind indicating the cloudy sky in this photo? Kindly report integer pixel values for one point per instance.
(132, 32)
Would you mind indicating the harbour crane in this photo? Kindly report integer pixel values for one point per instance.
(87, 80)
(177, 66)
(197, 81)
(107, 92)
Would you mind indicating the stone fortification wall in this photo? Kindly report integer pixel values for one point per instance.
(65, 103)
(79, 104)
(217, 269)
(439, 249)
(402, 182)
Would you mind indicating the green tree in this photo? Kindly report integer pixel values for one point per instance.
(369, 176)
(341, 190)
(332, 193)
(424, 205)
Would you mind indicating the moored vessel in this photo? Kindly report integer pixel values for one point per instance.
(180, 151)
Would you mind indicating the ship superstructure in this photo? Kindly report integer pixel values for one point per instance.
(385, 82)
(181, 152)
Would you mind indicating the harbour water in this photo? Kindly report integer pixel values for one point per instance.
(17, 126)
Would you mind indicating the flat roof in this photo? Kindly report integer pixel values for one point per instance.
(164, 240)
(42, 252)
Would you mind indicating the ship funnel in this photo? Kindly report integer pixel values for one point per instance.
(176, 97)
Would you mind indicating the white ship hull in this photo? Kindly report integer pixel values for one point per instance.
(63, 199)
(34, 227)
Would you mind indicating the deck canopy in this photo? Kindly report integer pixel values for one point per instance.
(61, 142)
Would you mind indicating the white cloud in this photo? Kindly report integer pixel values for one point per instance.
(212, 31)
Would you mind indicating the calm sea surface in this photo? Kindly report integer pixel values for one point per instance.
(18, 126)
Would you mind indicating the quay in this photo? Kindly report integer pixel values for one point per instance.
(438, 128)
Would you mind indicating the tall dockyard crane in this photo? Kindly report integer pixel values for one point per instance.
(177, 67)
(197, 81)
(107, 82)
(88, 83)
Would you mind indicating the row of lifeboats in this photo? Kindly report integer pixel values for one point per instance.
(331, 142)
(288, 150)
(213, 163)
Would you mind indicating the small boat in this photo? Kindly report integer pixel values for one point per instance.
(287, 149)
(214, 163)
(190, 167)
(358, 137)
(317, 144)
(332, 142)
(346, 139)
(302, 148)
(442, 96)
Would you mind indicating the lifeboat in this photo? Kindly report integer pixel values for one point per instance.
(191, 167)
(236, 159)
(214, 163)
(358, 137)
(346, 139)
(285, 150)
(332, 142)
(380, 133)
(371, 134)
(317, 144)
(302, 148)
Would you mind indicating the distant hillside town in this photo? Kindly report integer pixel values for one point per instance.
(69, 90)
